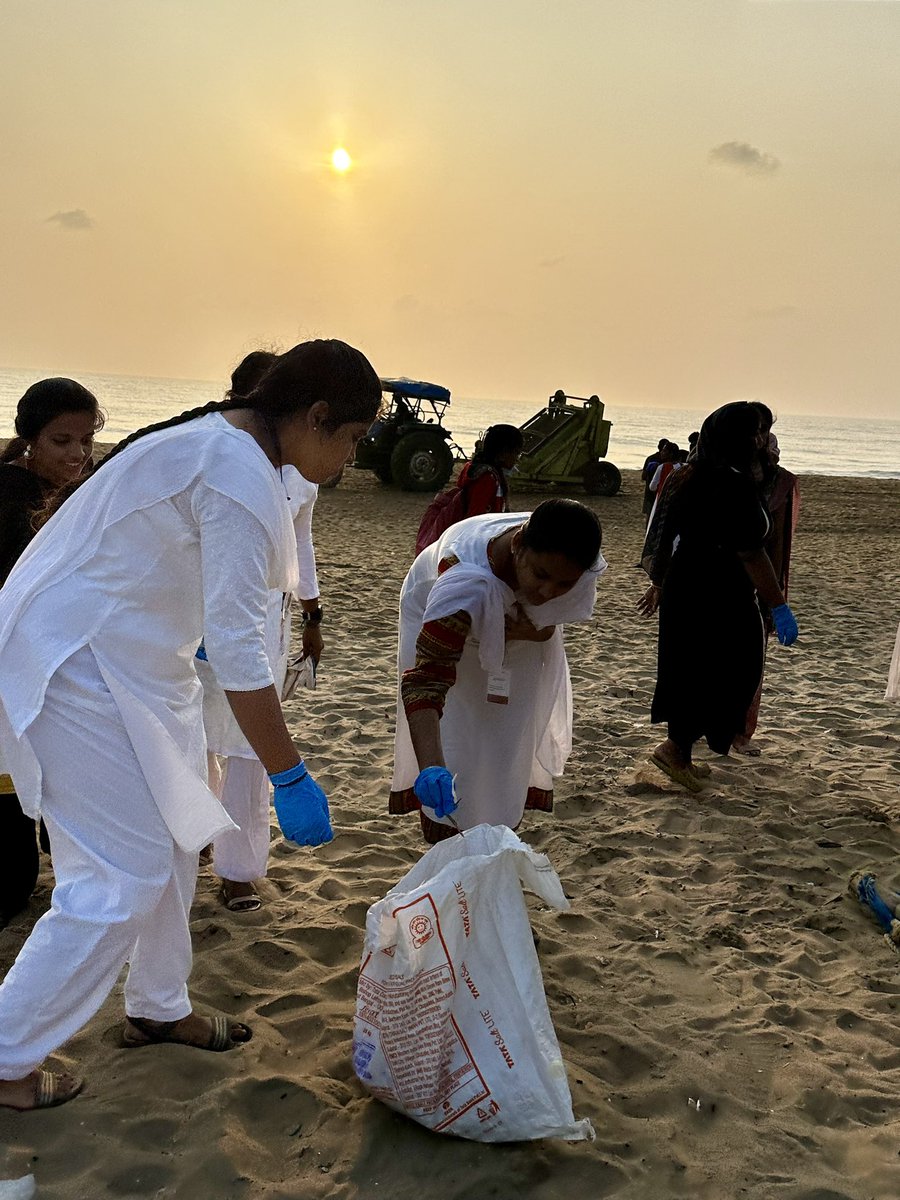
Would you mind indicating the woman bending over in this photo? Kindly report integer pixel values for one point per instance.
(180, 534)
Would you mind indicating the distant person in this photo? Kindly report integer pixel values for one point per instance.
(709, 567)
(485, 477)
(240, 855)
(780, 493)
(651, 462)
(56, 420)
(484, 696)
(180, 534)
(402, 410)
(692, 443)
(670, 460)
(482, 486)
(673, 461)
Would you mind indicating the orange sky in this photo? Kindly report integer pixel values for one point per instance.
(664, 201)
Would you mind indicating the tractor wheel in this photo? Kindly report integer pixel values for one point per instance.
(601, 478)
(421, 462)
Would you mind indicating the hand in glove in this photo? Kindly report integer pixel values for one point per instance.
(785, 625)
(434, 789)
(301, 807)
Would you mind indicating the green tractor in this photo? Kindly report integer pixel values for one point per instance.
(409, 445)
(565, 443)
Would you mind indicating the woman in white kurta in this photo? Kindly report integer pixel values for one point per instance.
(179, 536)
(240, 855)
(236, 775)
(484, 693)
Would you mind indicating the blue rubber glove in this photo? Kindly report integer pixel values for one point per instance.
(785, 625)
(434, 789)
(301, 807)
(201, 653)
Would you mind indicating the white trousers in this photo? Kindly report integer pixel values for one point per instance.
(123, 887)
(243, 854)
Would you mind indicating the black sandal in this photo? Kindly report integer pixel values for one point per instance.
(222, 1034)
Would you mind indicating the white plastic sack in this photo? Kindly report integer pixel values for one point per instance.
(452, 1026)
(17, 1189)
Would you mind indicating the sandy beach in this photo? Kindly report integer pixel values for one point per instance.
(711, 953)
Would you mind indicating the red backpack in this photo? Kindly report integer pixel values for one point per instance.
(448, 507)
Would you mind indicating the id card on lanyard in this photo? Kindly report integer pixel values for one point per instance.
(498, 685)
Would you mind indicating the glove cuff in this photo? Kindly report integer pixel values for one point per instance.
(291, 775)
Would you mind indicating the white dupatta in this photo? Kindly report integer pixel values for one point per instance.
(499, 751)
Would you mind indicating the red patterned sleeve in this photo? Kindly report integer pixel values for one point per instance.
(439, 648)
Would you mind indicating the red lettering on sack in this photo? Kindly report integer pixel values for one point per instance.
(463, 906)
(497, 1038)
(467, 979)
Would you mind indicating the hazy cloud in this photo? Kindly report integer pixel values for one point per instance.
(745, 157)
(76, 218)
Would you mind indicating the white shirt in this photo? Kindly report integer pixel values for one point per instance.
(223, 734)
(180, 537)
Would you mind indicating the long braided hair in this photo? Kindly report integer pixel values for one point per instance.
(322, 370)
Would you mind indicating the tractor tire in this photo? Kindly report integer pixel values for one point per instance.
(421, 462)
(602, 478)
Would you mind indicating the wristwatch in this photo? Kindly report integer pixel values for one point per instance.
(314, 617)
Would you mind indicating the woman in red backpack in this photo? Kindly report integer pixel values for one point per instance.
(483, 478)
(481, 486)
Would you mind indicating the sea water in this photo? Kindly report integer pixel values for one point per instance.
(809, 444)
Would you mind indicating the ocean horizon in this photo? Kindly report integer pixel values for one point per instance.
(810, 444)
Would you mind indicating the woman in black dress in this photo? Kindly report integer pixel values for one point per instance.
(708, 569)
(56, 421)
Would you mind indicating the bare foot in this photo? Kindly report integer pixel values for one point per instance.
(743, 745)
(40, 1089)
(671, 753)
(677, 765)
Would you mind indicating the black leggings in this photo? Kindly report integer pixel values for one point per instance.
(18, 857)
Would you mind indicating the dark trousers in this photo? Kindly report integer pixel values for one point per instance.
(18, 857)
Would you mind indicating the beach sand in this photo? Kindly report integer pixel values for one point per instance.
(711, 954)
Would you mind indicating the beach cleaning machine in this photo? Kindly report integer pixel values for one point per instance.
(565, 443)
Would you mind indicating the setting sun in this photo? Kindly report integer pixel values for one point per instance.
(341, 160)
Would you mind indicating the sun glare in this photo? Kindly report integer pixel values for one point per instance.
(341, 160)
